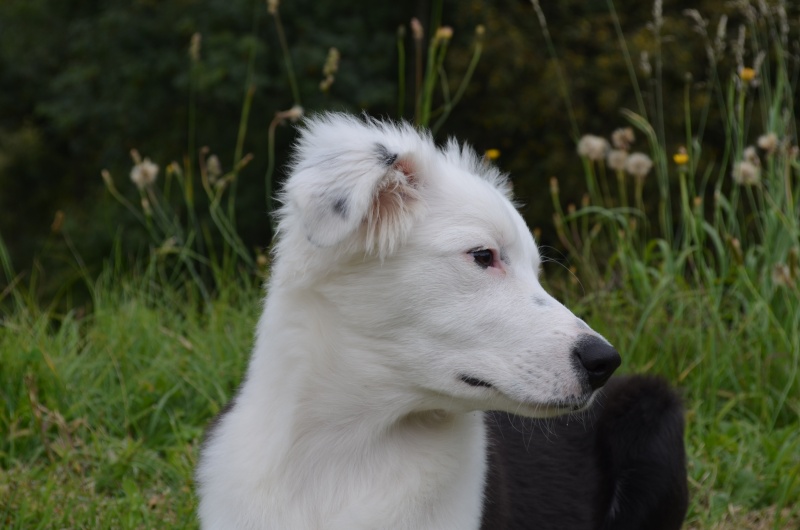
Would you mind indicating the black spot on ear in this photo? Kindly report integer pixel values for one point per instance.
(340, 207)
(384, 155)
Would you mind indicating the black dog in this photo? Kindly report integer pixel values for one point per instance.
(619, 465)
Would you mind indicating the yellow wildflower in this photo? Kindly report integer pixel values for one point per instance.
(492, 154)
(747, 74)
(681, 157)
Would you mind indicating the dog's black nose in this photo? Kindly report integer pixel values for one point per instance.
(598, 358)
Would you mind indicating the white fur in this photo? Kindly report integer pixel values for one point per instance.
(353, 414)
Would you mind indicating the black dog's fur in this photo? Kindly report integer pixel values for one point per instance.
(620, 465)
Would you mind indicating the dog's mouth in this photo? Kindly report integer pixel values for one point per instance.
(553, 408)
(474, 381)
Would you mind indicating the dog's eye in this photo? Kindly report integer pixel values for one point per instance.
(483, 257)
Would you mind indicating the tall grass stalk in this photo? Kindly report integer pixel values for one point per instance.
(714, 286)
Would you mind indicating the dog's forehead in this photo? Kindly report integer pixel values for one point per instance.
(473, 211)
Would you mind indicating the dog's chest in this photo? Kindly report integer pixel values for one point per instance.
(410, 482)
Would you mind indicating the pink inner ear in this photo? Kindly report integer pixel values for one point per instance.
(406, 167)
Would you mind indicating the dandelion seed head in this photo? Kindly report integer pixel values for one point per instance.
(768, 142)
(144, 173)
(746, 173)
(593, 147)
(616, 159)
(622, 138)
(638, 165)
(751, 155)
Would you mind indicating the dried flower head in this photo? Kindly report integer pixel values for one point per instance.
(416, 29)
(644, 63)
(553, 186)
(616, 159)
(272, 6)
(736, 249)
(144, 173)
(213, 167)
(622, 138)
(638, 165)
(293, 114)
(58, 222)
(175, 169)
(592, 147)
(194, 47)
(107, 178)
(329, 69)
(751, 155)
(768, 142)
(331, 62)
(781, 275)
(444, 33)
(480, 31)
(746, 173)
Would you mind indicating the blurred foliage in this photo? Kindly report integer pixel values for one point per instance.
(82, 82)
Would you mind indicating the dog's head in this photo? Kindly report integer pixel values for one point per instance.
(430, 269)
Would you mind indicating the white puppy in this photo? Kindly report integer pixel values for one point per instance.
(404, 300)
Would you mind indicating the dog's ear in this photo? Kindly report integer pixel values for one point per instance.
(349, 175)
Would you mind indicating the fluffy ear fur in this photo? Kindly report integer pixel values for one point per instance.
(356, 177)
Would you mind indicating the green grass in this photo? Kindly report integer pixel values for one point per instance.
(102, 417)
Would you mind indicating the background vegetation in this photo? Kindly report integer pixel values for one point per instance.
(128, 307)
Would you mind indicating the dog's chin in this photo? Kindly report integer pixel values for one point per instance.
(494, 398)
(554, 408)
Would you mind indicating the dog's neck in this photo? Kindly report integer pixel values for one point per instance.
(348, 448)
